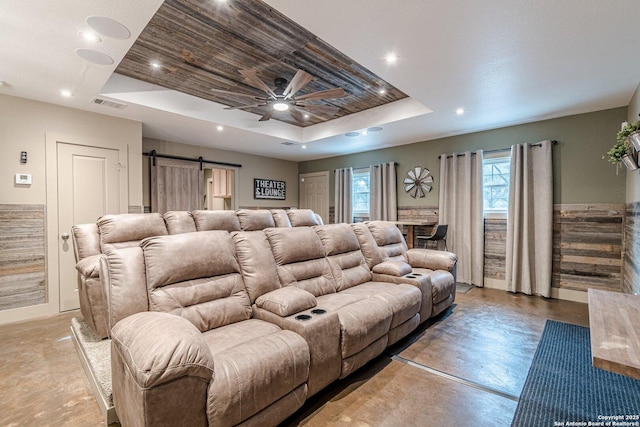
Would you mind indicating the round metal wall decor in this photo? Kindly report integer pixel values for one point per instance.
(417, 182)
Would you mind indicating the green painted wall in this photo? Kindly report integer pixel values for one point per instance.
(580, 173)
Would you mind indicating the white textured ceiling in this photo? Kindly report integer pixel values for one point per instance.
(505, 61)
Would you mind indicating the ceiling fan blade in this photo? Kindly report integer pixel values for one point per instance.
(244, 95)
(252, 79)
(300, 80)
(296, 114)
(245, 106)
(320, 109)
(337, 92)
(266, 116)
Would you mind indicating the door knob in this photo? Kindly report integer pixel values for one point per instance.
(65, 236)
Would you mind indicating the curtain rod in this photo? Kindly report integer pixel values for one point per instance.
(365, 167)
(154, 154)
(497, 150)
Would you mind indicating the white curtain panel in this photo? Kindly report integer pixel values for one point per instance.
(530, 220)
(460, 205)
(383, 202)
(343, 204)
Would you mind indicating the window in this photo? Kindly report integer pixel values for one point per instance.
(495, 176)
(360, 192)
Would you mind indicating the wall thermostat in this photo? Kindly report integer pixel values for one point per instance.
(23, 178)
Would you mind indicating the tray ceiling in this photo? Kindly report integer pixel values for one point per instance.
(200, 46)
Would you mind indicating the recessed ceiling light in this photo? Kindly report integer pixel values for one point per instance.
(391, 58)
(304, 147)
(365, 132)
(460, 111)
(352, 134)
(155, 64)
(90, 37)
(306, 115)
(382, 91)
(109, 27)
(65, 93)
(220, 128)
(94, 56)
(281, 106)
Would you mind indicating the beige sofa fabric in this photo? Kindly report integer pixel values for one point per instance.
(178, 222)
(255, 219)
(280, 218)
(257, 264)
(125, 230)
(196, 276)
(215, 220)
(303, 218)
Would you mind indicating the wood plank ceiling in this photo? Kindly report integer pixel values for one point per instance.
(203, 44)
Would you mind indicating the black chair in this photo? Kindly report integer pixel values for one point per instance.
(439, 235)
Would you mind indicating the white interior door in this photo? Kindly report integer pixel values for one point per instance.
(88, 187)
(314, 193)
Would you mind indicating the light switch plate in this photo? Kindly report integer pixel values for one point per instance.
(23, 178)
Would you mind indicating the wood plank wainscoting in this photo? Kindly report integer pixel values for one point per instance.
(22, 255)
(631, 265)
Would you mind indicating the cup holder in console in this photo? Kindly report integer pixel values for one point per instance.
(318, 311)
(303, 317)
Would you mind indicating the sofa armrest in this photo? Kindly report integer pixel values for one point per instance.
(432, 259)
(286, 301)
(159, 347)
(392, 268)
(89, 266)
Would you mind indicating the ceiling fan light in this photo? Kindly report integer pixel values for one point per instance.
(281, 106)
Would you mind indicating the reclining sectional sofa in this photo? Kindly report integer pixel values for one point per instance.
(240, 328)
(121, 231)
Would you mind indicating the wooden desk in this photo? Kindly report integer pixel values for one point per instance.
(614, 322)
(410, 225)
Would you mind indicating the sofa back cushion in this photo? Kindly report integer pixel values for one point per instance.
(215, 220)
(300, 258)
(372, 253)
(345, 257)
(389, 239)
(255, 219)
(302, 218)
(86, 240)
(179, 222)
(196, 276)
(258, 267)
(280, 218)
(126, 230)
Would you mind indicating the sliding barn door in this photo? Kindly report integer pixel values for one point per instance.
(176, 185)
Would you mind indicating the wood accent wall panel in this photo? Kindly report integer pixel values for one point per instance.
(22, 256)
(495, 248)
(587, 246)
(631, 264)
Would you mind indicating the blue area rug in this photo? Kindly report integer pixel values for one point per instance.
(564, 389)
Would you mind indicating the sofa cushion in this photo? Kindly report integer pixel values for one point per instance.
(389, 239)
(302, 217)
(89, 266)
(343, 250)
(280, 218)
(126, 230)
(252, 376)
(257, 264)
(255, 219)
(86, 240)
(286, 301)
(179, 222)
(215, 220)
(196, 276)
(392, 268)
(300, 259)
(368, 245)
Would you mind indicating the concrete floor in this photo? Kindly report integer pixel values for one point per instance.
(467, 367)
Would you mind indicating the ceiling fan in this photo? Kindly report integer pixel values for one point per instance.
(282, 97)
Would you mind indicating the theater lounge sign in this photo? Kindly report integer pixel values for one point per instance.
(269, 189)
